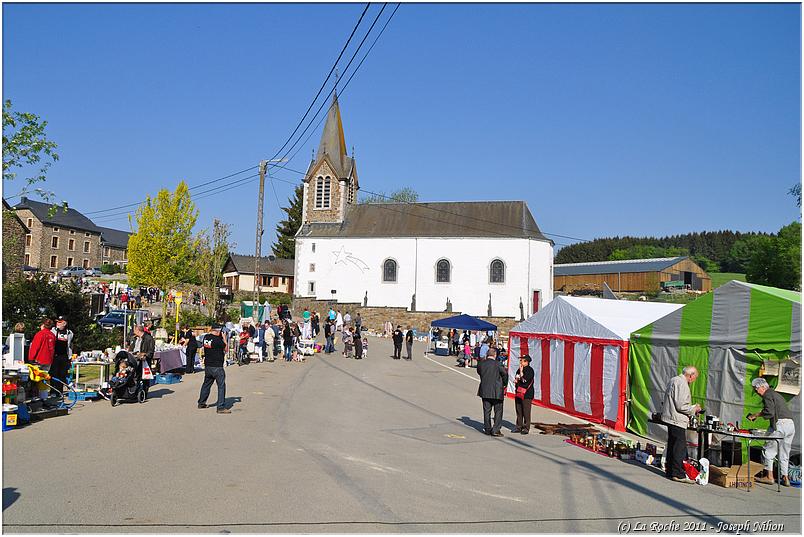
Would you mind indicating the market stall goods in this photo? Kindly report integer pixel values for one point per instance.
(733, 335)
(579, 351)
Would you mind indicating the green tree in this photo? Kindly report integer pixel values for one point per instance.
(776, 261)
(214, 250)
(285, 245)
(25, 146)
(403, 195)
(796, 192)
(643, 251)
(162, 250)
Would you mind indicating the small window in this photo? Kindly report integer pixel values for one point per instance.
(69, 261)
(30, 223)
(55, 230)
(389, 270)
(327, 191)
(27, 259)
(283, 279)
(72, 232)
(28, 240)
(86, 234)
(310, 288)
(71, 245)
(106, 251)
(312, 267)
(319, 193)
(443, 271)
(54, 261)
(54, 242)
(497, 271)
(86, 247)
(313, 247)
(86, 263)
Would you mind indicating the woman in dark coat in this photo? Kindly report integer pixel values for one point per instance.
(524, 379)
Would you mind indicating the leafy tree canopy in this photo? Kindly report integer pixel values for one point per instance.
(403, 195)
(26, 147)
(285, 245)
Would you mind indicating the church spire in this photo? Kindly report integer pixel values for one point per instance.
(333, 142)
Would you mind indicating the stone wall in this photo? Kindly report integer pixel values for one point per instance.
(323, 215)
(115, 255)
(374, 316)
(41, 248)
(13, 245)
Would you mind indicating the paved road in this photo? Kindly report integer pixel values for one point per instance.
(337, 445)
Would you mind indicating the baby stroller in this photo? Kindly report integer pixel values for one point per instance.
(130, 387)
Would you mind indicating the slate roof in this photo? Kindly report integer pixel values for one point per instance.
(244, 264)
(613, 267)
(333, 142)
(10, 209)
(508, 219)
(113, 237)
(71, 218)
(75, 220)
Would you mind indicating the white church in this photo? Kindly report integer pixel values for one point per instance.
(481, 257)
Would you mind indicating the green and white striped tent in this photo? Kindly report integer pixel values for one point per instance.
(726, 335)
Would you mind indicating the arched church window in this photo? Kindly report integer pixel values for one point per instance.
(443, 271)
(327, 192)
(319, 193)
(497, 271)
(389, 270)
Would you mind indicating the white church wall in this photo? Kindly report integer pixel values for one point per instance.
(353, 266)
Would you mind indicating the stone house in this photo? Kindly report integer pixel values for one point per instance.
(115, 246)
(14, 233)
(60, 238)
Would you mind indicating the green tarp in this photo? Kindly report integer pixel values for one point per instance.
(726, 334)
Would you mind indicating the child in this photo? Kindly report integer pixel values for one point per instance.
(123, 371)
(467, 354)
(348, 343)
(365, 346)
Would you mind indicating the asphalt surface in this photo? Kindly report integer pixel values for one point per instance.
(338, 445)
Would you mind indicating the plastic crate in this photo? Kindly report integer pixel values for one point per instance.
(167, 378)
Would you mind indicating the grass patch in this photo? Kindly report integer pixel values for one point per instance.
(719, 278)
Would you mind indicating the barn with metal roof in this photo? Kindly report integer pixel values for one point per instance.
(632, 275)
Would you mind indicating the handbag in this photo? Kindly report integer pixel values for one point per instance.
(147, 374)
(521, 391)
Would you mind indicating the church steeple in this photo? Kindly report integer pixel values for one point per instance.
(331, 184)
(333, 141)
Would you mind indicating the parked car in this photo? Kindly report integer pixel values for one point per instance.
(117, 318)
(94, 271)
(72, 272)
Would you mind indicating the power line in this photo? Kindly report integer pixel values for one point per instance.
(323, 84)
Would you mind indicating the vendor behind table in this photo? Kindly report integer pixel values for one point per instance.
(775, 409)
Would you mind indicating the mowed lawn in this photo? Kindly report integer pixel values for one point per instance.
(719, 278)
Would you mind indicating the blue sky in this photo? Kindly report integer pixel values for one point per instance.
(607, 119)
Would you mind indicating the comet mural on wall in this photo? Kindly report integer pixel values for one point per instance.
(344, 257)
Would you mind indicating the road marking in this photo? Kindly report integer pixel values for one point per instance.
(453, 370)
(386, 469)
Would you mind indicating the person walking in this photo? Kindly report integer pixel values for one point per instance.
(493, 378)
(398, 337)
(316, 324)
(328, 346)
(523, 398)
(409, 343)
(62, 350)
(338, 322)
(268, 341)
(358, 325)
(677, 408)
(775, 409)
(191, 347)
(214, 350)
(348, 341)
(347, 319)
(358, 343)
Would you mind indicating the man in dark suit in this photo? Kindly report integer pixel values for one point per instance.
(493, 378)
(398, 337)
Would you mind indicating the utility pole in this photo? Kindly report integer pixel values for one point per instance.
(255, 308)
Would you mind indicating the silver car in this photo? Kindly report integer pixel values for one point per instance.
(72, 272)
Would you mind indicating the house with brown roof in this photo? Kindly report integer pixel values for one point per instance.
(275, 275)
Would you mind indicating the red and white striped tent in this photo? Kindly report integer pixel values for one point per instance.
(579, 352)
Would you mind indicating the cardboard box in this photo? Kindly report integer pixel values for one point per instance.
(733, 476)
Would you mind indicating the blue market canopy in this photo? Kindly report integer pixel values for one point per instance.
(464, 322)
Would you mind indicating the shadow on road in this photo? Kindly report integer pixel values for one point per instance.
(10, 495)
(229, 402)
(478, 425)
(159, 393)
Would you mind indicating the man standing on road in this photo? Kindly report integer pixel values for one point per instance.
(409, 342)
(192, 346)
(214, 350)
(398, 336)
(493, 378)
(775, 409)
(676, 412)
(62, 350)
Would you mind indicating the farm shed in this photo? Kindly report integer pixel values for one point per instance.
(632, 275)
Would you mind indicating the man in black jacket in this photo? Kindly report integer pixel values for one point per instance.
(398, 337)
(493, 378)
